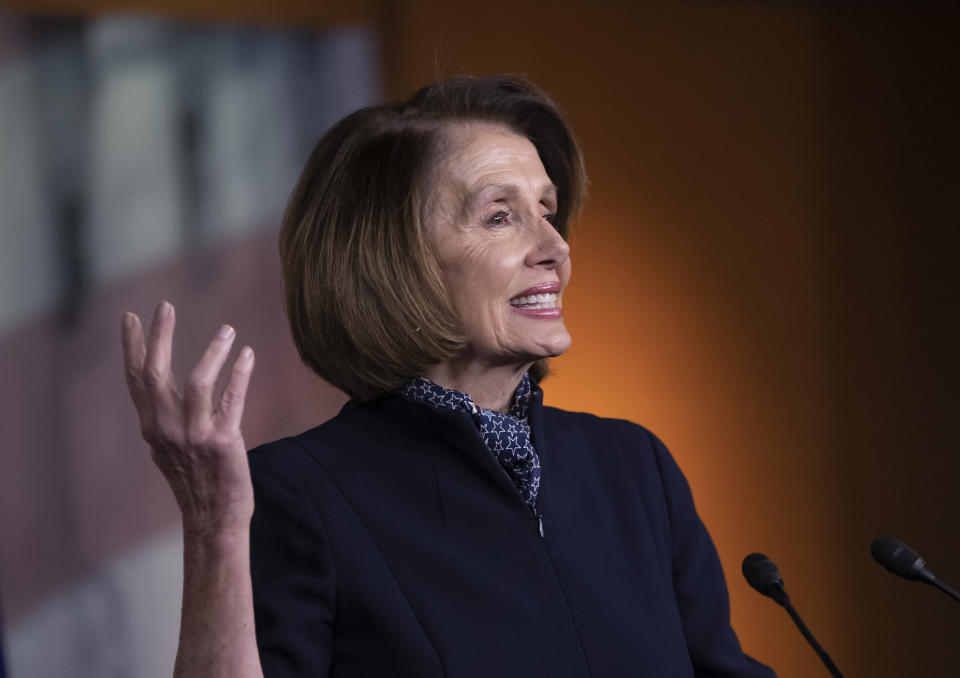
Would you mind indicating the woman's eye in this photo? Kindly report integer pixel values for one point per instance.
(499, 219)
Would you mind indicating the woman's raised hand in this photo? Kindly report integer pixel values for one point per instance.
(195, 438)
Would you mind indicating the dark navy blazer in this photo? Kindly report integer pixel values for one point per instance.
(389, 542)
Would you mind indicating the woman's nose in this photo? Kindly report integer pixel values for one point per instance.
(550, 250)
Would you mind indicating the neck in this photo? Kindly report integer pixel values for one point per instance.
(490, 387)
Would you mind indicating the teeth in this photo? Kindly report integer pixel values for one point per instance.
(536, 300)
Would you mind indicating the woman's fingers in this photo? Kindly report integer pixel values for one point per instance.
(134, 351)
(165, 418)
(158, 379)
(235, 394)
(198, 391)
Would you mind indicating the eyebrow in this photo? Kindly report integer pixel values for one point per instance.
(550, 190)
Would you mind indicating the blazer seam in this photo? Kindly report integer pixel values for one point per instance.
(566, 603)
(666, 499)
(366, 529)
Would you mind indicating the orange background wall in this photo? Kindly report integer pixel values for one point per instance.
(765, 275)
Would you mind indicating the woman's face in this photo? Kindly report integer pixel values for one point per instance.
(503, 262)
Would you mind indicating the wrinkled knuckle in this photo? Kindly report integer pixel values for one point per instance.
(196, 385)
(134, 376)
(232, 397)
(222, 441)
(152, 377)
(197, 437)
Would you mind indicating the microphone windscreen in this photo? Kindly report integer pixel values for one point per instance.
(897, 557)
(761, 572)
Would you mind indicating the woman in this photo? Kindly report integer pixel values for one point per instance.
(445, 522)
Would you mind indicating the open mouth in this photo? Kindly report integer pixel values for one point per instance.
(532, 301)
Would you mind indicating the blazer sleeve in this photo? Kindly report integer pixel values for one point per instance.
(699, 584)
(292, 574)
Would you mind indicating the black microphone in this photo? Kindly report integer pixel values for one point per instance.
(904, 562)
(762, 574)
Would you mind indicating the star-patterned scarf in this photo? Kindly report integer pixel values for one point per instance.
(507, 436)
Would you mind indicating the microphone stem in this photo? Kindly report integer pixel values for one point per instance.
(946, 589)
(824, 657)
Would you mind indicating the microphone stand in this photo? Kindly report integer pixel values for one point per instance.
(946, 589)
(779, 595)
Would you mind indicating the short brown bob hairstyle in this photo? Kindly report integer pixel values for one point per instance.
(364, 295)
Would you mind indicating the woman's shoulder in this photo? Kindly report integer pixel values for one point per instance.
(300, 452)
(311, 466)
(586, 423)
(361, 437)
(352, 420)
(613, 438)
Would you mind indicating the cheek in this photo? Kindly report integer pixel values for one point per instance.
(482, 297)
(482, 269)
(465, 284)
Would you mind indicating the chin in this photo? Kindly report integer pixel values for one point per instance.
(555, 347)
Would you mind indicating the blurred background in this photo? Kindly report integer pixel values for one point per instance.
(766, 275)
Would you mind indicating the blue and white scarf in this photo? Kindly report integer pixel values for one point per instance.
(507, 436)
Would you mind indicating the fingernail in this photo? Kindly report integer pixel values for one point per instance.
(127, 319)
(163, 309)
(225, 332)
(246, 353)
